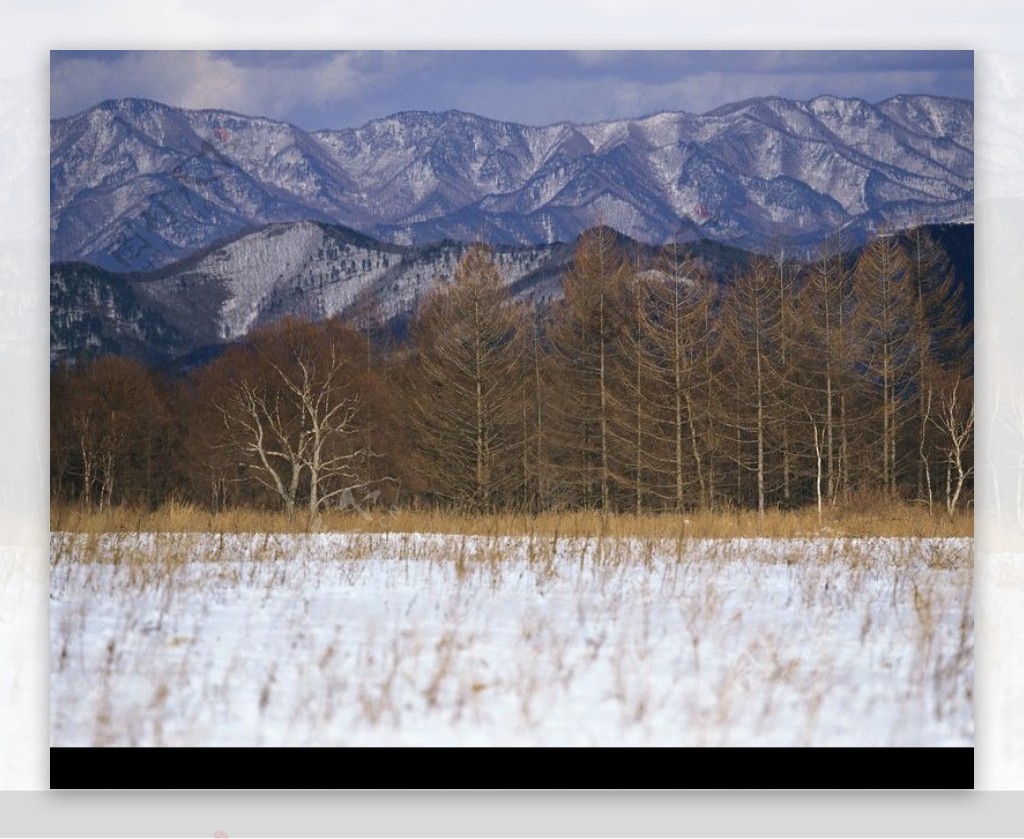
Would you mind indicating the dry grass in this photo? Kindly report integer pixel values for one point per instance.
(865, 517)
(373, 638)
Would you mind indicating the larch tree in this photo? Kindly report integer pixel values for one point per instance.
(584, 338)
(675, 321)
(944, 340)
(535, 490)
(789, 418)
(887, 342)
(630, 396)
(752, 327)
(466, 387)
(823, 364)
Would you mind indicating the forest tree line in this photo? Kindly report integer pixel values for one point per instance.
(642, 389)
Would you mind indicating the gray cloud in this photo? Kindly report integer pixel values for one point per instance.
(333, 89)
(209, 80)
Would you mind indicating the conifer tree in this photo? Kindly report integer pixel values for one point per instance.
(675, 328)
(887, 350)
(466, 387)
(585, 337)
(944, 340)
(752, 326)
(823, 363)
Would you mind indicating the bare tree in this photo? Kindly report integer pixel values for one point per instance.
(264, 433)
(955, 422)
(291, 413)
(108, 428)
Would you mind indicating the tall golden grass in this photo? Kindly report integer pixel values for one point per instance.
(868, 517)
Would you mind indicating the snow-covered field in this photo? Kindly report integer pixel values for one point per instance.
(417, 639)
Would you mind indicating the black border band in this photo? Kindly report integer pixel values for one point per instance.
(554, 768)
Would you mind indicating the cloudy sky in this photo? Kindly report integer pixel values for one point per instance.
(341, 89)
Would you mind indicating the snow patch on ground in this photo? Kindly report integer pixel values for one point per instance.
(419, 639)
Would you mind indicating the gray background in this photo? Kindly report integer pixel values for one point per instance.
(30, 31)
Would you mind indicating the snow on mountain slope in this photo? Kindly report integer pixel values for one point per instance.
(304, 269)
(136, 184)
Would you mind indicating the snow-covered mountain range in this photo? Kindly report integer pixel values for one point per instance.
(306, 269)
(135, 185)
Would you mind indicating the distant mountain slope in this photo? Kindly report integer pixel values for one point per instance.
(313, 270)
(307, 269)
(94, 312)
(135, 184)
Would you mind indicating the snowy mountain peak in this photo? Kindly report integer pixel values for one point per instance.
(136, 184)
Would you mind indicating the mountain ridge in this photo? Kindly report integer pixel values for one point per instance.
(136, 184)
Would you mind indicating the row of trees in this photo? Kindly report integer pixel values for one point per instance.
(288, 418)
(642, 388)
